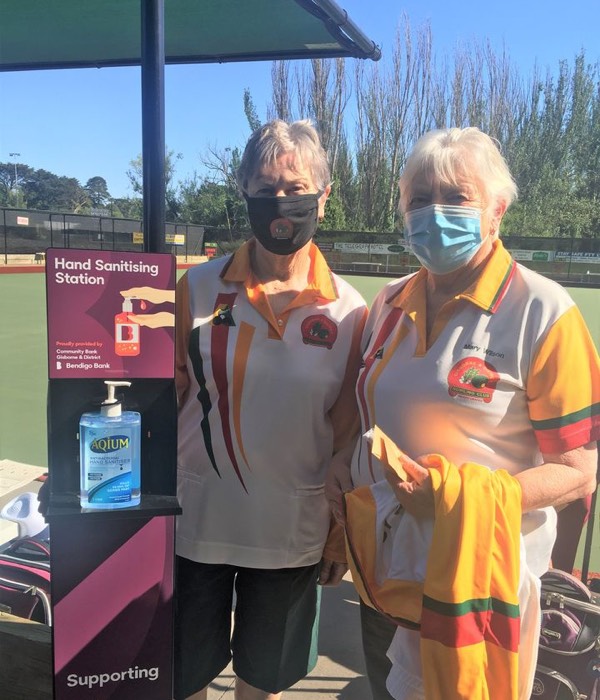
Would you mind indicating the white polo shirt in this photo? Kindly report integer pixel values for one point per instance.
(510, 373)
(263, 403)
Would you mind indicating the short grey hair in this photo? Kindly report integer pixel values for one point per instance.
(277, 137)
(448, 153)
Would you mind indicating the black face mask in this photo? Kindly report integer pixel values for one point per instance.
(283, 225)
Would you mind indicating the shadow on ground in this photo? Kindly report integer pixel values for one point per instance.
(339, 630)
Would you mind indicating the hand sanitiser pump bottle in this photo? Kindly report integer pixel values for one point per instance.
(109, 447)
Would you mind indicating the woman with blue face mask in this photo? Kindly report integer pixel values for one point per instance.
(473, 364)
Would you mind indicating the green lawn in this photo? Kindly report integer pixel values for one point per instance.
(23, 358)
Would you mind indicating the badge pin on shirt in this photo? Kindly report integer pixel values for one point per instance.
(223, 316)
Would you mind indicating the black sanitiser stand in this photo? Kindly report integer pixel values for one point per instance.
(112, 571)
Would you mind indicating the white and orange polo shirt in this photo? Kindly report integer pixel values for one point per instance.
(508, 373)
(263, 403)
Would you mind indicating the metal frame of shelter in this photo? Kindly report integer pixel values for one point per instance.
(292, 29)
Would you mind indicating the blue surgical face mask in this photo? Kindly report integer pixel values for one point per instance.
(443, 237)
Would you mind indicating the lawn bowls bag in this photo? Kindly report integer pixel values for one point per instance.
(25, 578)
(568, 665)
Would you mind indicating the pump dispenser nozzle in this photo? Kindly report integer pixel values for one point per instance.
(111, 406)
(127, 305)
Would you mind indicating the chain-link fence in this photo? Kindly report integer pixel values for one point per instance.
(25, 235)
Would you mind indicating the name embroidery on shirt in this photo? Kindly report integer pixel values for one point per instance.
(319, 330)
(473, 378)
(486, 351)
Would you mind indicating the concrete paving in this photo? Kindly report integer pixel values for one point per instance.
(340, 670)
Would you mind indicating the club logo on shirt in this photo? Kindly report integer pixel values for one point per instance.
(473, 378)
(319, 330)
(223, 316)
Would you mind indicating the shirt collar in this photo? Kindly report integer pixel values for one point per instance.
(487, 291)
(320, 279)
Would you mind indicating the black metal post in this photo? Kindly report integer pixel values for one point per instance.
(570, 259)
(589, 534)
(5, 237)
(153, 124)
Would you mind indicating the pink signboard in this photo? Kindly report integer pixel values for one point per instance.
(112, 597)
(110, 314)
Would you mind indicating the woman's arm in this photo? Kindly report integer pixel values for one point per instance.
(562, 478)
(183, 324)
(339, 480)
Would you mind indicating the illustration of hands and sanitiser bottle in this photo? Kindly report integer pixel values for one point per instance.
(127, 323)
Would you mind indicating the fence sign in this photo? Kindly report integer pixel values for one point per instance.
(533, 255)
(325, 247)
(210, 249)
(372, 248)
(564, 256)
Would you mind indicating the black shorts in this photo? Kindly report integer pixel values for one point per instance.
(274, 641)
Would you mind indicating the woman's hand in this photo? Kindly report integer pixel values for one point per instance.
(331, 573)
(416, 494)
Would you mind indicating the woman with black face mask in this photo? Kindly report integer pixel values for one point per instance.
(268, 350)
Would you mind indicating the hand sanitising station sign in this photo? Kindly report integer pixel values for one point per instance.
(106, 310)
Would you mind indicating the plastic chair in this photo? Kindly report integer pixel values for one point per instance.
(23, 510)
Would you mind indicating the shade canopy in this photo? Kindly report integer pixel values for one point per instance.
(38, 34)
(51, 34)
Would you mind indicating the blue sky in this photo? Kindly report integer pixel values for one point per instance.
(83, 123)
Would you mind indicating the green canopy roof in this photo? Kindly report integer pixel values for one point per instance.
(37, 34)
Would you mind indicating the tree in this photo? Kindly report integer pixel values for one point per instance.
(250, 111)
(281, 107)
(215, 199)
(97, 191)
(47, 191)
(321, 95)
(335, 216)
(12, 178)
(209, 203)
(136, 179)
(127, 207)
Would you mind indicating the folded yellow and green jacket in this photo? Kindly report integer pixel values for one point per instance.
(465, 600)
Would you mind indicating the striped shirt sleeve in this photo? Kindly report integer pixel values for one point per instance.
(563, 387)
